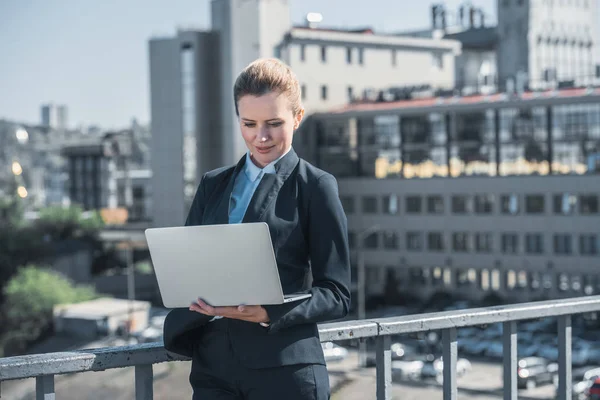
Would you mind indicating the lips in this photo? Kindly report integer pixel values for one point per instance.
(264, 149)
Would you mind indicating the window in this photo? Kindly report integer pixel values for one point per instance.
(394, 57)
(369, 204)
(371, 241)
(535, 204)
(390, 240)
(534, 243)
(588, 244)
(562, 244)
(435, 204)
(348, 55)
(484, 203)
(361, 56)
(437, 60)
(302, 52)
(435, 241)
(350, 94)
(324, 92)
(413, 205)
(510, 243)
(414, 241)
(460, 204)
(564, 203)
(323, 54)
(510, 204)
(348, 204)
(588, 204)
(390, 204)
(484, 242)
(460, 242)
(303, 90)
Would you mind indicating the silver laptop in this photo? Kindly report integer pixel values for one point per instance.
(225, 265)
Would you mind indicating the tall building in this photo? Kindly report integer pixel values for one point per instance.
(546, 42)
(54, 116)
(47, 115)
(247, 30)
(186, 119)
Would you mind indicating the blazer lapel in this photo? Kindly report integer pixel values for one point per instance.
(220, 214)
(269, 187)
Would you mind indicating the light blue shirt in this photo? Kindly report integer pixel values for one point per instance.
(244, 187)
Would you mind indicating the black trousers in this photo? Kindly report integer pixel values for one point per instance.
(218, 375)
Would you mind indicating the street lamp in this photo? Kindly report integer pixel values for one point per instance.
(360, 265)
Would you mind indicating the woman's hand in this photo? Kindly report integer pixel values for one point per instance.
(245, 313)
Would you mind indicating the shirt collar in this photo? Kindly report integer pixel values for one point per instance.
(253, 172)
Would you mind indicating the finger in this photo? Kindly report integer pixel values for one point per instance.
(205, 307)
(198, 309)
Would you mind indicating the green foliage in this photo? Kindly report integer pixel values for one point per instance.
(29, 299)
(62, 223)
(144, 267)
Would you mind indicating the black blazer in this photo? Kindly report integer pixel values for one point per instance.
(308, 226)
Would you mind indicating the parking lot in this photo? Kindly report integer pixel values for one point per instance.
(483, 382)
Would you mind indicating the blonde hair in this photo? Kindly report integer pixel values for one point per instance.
(268, 75)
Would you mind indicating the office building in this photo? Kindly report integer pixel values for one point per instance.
(54, 116)
(471, 195)
(544, 43)
(186, 120)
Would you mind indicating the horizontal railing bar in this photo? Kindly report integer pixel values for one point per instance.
(487, 315)
(84, 360)
(152, 353)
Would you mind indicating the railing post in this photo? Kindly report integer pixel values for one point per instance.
(143, 382)
(564, 358)
(44, 387)
(384, 368)
(449, 355)
(509, 348)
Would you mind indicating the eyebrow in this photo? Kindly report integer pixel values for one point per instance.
(269, 120)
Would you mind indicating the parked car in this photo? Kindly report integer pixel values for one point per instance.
(535, 371)
(583, 379)
(593, 392)
(409, 368)
(399, 352)
(435, 368)
(333, 352)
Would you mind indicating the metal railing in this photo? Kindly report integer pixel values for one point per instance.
(44, 367)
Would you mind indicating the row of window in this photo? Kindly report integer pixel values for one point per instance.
(493, 279)
(507, 204)
(357, 56)
(480, 242)
(324, 92)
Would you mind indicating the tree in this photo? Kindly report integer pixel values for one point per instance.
(29, 300)
(64, 223)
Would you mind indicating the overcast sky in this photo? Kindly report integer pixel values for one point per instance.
(92, 55)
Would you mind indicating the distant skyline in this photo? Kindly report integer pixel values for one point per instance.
(93, 56)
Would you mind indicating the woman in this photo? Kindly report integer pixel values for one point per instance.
(271, 351)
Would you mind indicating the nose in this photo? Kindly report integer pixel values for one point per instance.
(263, 135)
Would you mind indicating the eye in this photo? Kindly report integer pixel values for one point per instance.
(275, 124)
(249, 124)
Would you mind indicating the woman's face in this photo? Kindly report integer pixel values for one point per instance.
(267, 123)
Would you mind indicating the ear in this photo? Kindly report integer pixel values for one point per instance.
(298, 118)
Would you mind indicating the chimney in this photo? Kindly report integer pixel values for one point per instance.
(471, 17)
(434, 16)
(461, 15)
(482, 15)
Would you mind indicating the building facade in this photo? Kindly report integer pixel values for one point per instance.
(545, 42)
(336, 67)
(475, 195)
(186, 120)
